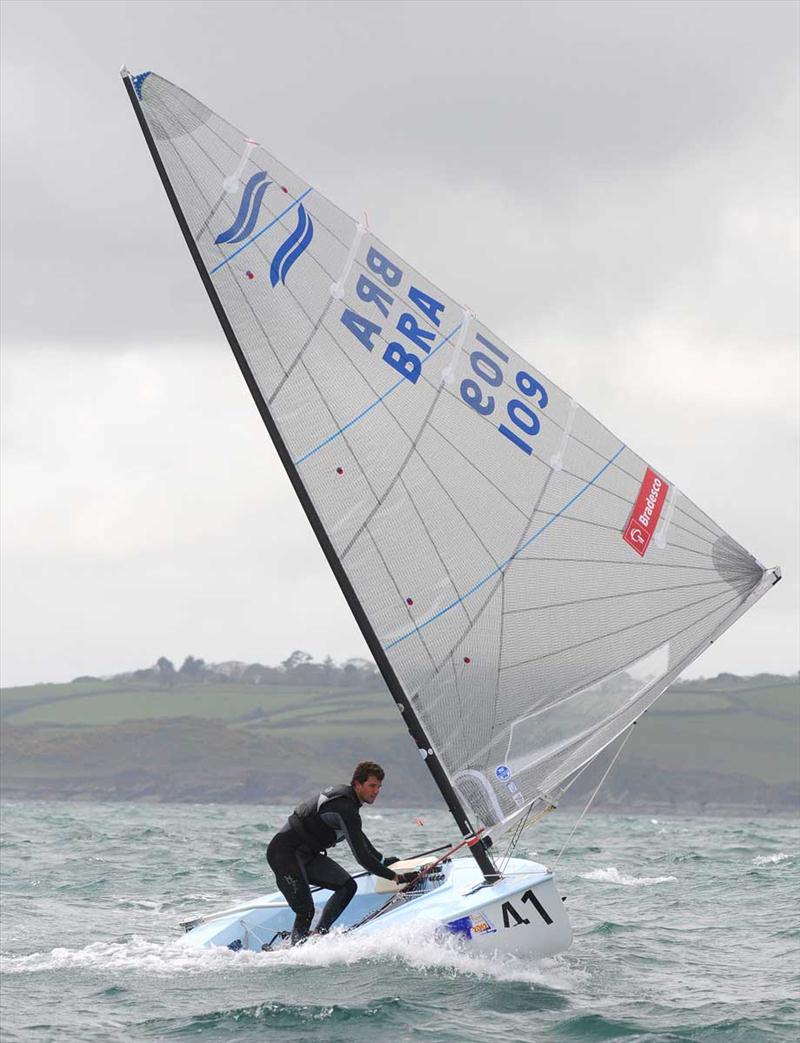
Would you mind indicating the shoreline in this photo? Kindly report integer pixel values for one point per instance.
(642, 810)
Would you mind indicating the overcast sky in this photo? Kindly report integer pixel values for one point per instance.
(612, 187)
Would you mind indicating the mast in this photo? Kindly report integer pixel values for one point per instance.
(413, 724)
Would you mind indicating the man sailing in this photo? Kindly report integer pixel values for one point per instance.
(298, 853)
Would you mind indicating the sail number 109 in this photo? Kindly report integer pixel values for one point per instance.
(477, 395)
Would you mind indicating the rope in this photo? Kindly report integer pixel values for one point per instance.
(514, 840)
(524, 823)
(620, 748)
(410, 890)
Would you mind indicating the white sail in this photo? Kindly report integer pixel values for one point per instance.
(533, 584)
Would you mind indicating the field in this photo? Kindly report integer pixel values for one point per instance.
(725, 742)
(312, 712)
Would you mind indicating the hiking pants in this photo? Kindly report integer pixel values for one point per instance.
(295, 870)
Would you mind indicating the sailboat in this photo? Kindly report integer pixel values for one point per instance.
(526, 583)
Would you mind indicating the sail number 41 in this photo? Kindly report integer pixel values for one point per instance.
(518, 411)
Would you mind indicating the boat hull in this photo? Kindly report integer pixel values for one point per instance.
(520, 914)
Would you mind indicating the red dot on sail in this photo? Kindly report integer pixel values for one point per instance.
(467, 659)
(284, 188)
(340, 470)
(249, 275)
(409, 601)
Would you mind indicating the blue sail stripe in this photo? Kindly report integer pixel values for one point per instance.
(371, 406)
(286, 247)
(260, 232)
(298, 250)
(244, 207)
(251, 223)
(499, 568)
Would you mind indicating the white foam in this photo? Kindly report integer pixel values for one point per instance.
(611, 875)
(414, 948)
(138, 954)
(141, 903)
(770, 860)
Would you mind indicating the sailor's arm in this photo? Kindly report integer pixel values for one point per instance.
(364, 853)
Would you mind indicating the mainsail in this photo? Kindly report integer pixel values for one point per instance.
(527, 584)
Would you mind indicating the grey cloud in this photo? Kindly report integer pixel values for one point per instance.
(583, 117)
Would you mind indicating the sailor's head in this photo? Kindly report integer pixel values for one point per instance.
(367, 780)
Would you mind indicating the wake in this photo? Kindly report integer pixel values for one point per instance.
(611, 875)
(414, 949)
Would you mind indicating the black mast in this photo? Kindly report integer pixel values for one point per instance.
(412, 722)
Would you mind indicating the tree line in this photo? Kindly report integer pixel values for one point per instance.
(299, 669)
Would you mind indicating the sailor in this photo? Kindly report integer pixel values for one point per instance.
(298, 853)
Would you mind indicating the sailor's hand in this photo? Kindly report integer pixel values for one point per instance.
(405, 878)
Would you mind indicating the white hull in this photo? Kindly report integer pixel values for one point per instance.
(520, 914)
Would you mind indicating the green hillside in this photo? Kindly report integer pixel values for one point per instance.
(725, 743)
(93, 704)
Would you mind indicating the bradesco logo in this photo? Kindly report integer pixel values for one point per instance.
(644, 517)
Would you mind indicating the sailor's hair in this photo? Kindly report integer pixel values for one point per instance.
(365, 770)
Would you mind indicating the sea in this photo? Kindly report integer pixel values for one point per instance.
(686, 929)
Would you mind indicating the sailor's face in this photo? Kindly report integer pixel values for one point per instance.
(368, 791)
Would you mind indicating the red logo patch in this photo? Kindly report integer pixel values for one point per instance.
(646, 511)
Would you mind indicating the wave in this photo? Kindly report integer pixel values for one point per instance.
(275, 1016)
(586, 1027)
(610, 927)
(770, 860)
(413, 949)
(611, 875)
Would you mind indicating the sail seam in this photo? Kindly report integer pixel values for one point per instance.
(499, 649)
(399, 593)
(398, 477)
(620, 561)
(445, 491)
(453, 501)
(508, 561)
(577, 742)
(501, 585)
(372, 405)
(329, 409)
(474, 466)
(613, 597)
(625, 629)
(453, 583)
(659, 685)
(293, 364)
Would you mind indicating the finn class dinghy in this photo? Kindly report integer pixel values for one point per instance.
(527, 585)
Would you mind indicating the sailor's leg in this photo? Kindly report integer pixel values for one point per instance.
(292, 884)
(324, 872)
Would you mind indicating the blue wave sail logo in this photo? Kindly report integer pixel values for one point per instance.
(248, 210)
(292, 248)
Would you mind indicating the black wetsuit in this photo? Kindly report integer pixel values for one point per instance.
(297, 856)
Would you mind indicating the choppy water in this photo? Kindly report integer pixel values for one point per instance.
(685, 929)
